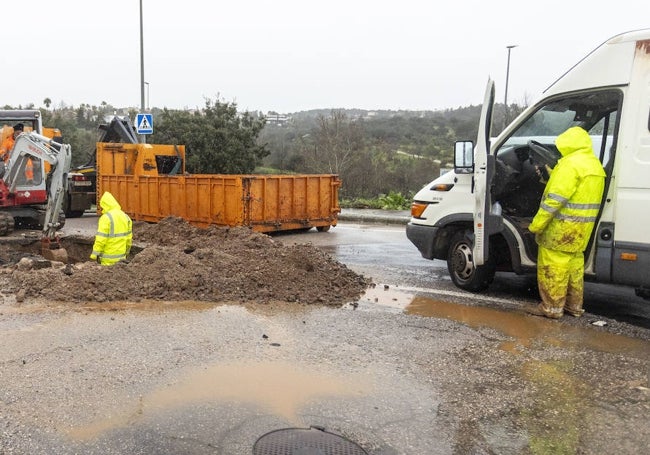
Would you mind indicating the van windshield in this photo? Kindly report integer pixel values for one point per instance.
(516, 183)
(596, 112)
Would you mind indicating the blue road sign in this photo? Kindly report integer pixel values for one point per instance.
(144, 123)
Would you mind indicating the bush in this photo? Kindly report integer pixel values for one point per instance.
(391, 201)
(395, 201)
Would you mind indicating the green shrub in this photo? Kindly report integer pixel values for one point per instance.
(391, 201)
(395, 201)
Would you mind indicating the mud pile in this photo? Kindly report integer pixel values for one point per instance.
(178, 261)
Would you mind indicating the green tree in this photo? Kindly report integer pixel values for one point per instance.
(217, 138)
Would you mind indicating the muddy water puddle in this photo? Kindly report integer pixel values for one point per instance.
(386, 296)
(526, 329)
(150, 306)
(280, 388)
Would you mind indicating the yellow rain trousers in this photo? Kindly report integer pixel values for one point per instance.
(560, 277)
(114, 232)
(564, 222)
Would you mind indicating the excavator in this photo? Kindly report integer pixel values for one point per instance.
(78, 199)
(32, 197)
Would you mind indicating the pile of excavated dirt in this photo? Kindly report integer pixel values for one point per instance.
(173, 260)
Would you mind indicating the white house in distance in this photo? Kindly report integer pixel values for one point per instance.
(273, 118)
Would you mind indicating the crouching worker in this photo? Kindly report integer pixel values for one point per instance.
(114, 237)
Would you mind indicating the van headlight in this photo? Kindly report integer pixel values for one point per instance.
(442, 187)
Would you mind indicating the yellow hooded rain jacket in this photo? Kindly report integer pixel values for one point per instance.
(114, 232)
(572, 197)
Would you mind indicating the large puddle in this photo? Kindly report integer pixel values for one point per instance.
(280, 388)
(526, 330)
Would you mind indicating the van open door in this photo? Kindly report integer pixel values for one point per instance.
(487, 217)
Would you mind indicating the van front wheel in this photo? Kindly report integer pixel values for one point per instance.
(460, 263)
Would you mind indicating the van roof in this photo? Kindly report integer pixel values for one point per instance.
(606, 66)
(633, 35)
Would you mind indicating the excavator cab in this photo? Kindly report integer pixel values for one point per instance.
(30, 174)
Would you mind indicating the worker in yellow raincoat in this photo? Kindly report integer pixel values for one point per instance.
(564, 222)
(114, 233)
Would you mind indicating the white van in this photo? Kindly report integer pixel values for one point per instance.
(476, 217)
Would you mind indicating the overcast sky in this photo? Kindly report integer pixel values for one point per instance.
(293, 55)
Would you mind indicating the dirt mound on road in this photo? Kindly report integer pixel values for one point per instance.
(181, 262)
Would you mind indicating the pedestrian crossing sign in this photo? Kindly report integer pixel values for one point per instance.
(144, 123)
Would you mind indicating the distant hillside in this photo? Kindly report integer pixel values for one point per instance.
(374, 151)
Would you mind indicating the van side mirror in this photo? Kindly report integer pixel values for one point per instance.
(464, 157)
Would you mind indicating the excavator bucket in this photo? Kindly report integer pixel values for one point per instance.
(53, 251)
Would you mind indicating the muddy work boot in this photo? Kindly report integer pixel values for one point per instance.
(538, 310)
(575, 312)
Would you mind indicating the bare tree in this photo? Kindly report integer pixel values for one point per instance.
(333, 144)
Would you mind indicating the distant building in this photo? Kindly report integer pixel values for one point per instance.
(273, 118)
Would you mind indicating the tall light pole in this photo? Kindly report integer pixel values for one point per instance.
(143, 137)
(505, 100)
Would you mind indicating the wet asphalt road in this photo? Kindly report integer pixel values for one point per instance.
(415, 367)
(383, 252)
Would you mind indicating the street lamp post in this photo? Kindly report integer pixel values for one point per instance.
(142, 82)
(505, 100)
(143, 137)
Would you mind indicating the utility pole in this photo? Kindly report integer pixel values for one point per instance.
(505, 100)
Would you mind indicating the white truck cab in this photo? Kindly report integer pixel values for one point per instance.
(476, 217)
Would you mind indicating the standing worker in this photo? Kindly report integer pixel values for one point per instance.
(564, 222)
(114, 232)
(9, 141)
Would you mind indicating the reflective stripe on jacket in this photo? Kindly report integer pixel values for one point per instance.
(114, 232)
(572, 197)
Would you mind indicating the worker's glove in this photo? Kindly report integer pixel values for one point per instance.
(94, 257)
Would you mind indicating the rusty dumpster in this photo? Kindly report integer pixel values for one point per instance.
(150, 183)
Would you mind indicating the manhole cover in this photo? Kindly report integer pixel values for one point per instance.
(305, 441)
